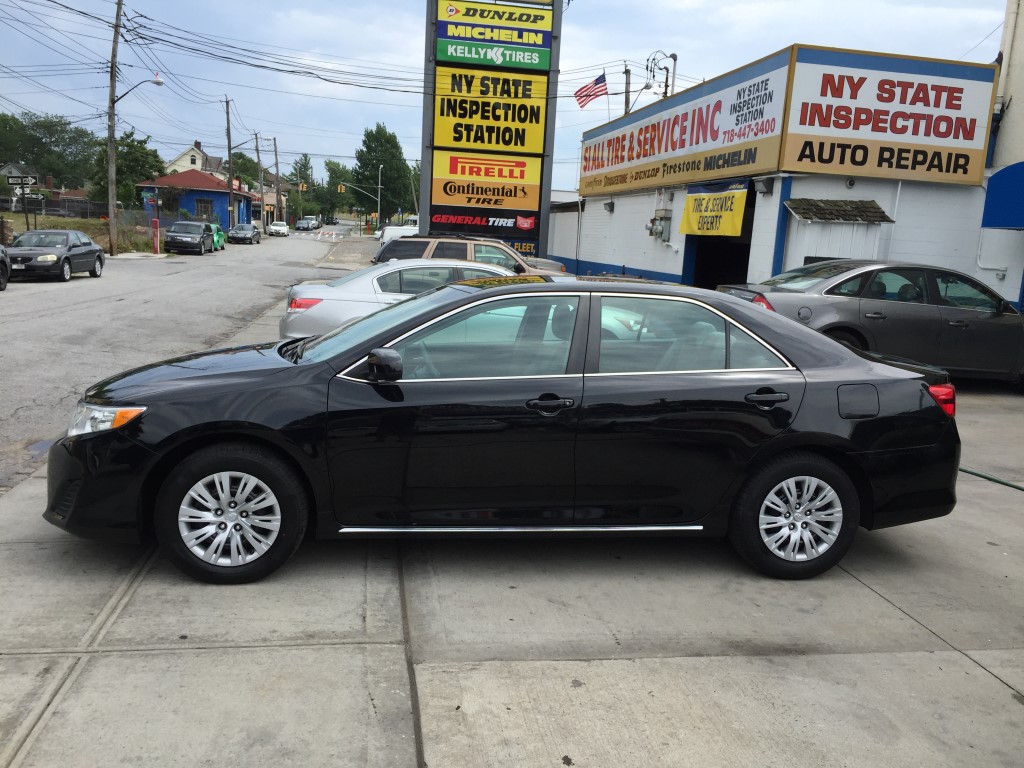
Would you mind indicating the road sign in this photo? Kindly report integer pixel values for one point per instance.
(27, 181)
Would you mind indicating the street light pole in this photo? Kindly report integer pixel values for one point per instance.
(380, 224)
(111, 140)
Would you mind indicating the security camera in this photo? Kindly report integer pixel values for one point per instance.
(851, 183)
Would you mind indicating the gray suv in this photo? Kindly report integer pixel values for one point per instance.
(189, 236)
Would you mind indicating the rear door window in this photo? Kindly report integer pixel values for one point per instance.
(404, 249)
(448, 250)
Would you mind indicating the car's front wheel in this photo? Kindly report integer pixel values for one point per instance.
(231, 514)
(4, 277)
(65, 271)
(796, 516)
(202, 247)
(97, 267)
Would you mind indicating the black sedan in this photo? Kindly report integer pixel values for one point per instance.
(933, 315)
(5, 268)
(55, 253)
(244, 233)
(502, 406)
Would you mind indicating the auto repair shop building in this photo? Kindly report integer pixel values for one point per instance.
(806, 154)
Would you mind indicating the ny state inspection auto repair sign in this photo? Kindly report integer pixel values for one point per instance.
(808, 110)
(490, 120)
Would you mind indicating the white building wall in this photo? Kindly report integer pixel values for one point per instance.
(762, 237)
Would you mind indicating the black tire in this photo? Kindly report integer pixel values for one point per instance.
(808, 473)
(202, 247)
(4, 277)
(846, 338)
(169, 251)
(97, 268)
(65, 271)
(289, 512)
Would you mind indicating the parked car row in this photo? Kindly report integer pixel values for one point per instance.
(201, 236)
(478, 249)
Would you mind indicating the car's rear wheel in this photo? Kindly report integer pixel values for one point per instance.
(848, 338)
(796, 516)
(4, 277)
(65, 271)
(97, 268)
(231, 514)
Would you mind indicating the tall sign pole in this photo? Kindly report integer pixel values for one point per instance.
(231, 174)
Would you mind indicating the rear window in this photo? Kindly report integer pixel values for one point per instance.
(402, 249)
(802, 278)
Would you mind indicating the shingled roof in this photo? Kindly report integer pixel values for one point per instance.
(854, 211)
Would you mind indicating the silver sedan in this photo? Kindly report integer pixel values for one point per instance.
(315, 308)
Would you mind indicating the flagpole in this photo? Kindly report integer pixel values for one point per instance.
(607, 100)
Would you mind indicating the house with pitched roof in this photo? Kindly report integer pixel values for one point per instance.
(197, 195)
(195, 159)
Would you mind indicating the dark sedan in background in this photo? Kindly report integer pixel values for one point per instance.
(189, 236)
(55, 253)
(243, 233)
(499, 406)
(918, 312)
(5, 268)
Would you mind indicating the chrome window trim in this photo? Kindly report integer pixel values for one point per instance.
(518, 529)
(403, 382)
(445, 316)
(680, 373)
(728, 320)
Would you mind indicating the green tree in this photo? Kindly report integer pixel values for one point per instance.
(299, 202)
(381, 148)
(136, 163)
(245, 168)
(49, 145)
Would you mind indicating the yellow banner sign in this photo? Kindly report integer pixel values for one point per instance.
(472, 180)
(455, 11)
(711, 211)
(481, 109)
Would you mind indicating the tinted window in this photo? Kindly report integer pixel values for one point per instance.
(851, 287)
(905, 285)
(747, 352)
(522, 336)
(957, 291)
(416, 280)
(490, 254)
(447, 250)
(403, 249)
(40, 240)
(187, 227)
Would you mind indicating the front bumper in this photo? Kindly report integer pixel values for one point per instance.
(33, 269)
(178, 245)
(94, 485)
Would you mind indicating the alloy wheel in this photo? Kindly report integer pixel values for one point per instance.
(800, 518)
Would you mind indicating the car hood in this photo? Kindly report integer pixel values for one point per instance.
(204, 369)
(33, 252)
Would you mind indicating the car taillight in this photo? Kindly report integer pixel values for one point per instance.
(945, 396)
(301, 305)
(762, 301)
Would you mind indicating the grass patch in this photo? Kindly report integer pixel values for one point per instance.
(129, 238)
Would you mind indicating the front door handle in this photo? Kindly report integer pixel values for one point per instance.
(550, 407)
(958, 323)
(875, 315)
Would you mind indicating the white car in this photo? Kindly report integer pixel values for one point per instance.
(315, 308)
(279, 228)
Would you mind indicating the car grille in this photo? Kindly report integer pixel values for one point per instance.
(20, 259)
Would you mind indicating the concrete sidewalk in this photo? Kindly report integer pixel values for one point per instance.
(652, 652)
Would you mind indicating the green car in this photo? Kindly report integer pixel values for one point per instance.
(219, 238)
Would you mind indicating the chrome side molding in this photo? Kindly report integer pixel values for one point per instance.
(519, 529)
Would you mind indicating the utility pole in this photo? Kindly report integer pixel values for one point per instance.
(277, 186)
(111, 141)
(231, 173)
(263, 214)
(626, 73)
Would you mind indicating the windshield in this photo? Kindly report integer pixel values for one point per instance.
(804, 277)
(186, 227)
(341, 339)
(243, 227)
(40, 240)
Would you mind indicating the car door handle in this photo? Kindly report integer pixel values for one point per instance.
(766, 399)
(550, 407)
(875, 315)
(959, 323)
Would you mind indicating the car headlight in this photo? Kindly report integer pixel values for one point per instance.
(47, 258)
(87, 418)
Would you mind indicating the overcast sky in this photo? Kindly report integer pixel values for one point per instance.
(376, 48)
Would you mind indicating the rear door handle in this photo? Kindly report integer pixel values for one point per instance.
(959, 323)
(875, 315)
(766, 399)
(550, 407)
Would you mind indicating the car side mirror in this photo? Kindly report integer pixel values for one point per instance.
(519, 268)
(385, 366)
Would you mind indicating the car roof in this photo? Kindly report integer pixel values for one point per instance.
(51, 232)
(403, 263)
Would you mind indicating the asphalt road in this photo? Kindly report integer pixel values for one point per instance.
(60, 338)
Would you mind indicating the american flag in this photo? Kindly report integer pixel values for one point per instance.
(591, 91)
